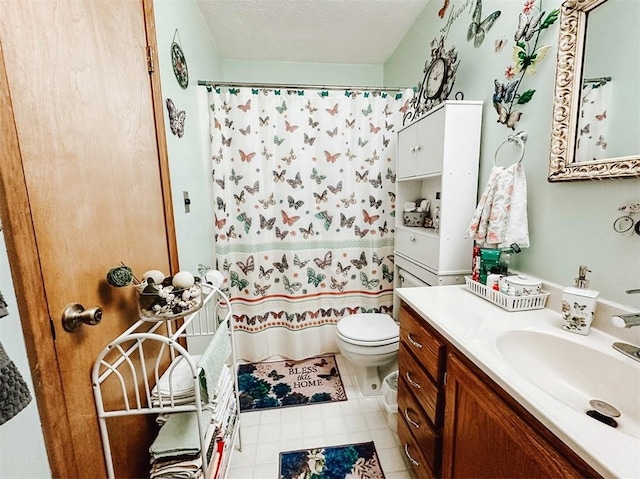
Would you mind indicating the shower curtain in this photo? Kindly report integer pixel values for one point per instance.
(593, 124)
(305, 206)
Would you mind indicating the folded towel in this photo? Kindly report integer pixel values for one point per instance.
(179, 435)
(14, 392)
(212, 360)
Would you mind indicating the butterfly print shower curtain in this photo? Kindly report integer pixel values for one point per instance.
(304, 185)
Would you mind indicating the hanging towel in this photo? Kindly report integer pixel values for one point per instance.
(14, 392)
(500, 218)
(212, 360)
(4, 311)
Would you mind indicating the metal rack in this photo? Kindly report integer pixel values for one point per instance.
(132, 364)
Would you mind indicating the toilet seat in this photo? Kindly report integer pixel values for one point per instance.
(368, 329)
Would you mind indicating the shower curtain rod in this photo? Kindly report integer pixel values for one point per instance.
(214, 84)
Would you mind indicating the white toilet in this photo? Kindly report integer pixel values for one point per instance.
(370, 341)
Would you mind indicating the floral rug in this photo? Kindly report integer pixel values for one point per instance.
(350, 461)
(273, 384)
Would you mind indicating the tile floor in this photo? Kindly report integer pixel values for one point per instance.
(359, 419)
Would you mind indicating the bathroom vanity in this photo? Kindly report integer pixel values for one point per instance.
(466, 411)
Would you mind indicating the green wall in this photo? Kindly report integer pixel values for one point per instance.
(190, 163)
(570, 223)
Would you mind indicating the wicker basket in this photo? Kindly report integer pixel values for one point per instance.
(510, 303)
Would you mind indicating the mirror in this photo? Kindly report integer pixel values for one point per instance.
(596, 104)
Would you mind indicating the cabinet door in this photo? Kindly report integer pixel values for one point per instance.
(430, 143)
(485, 438)
(407, 152)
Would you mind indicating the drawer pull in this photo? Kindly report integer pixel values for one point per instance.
(413, 383)
(406, 452)
(412, 239)
(409, 420)
(414, 342)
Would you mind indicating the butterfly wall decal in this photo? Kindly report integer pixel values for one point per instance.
(176, 118)
(479, 27)
(506, 117)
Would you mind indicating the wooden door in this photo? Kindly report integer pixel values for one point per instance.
(484, 437)
(84, 186)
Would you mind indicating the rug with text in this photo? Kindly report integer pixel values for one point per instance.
(336, 462)
(273, 384)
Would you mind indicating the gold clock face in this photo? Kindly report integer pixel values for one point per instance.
(436, 78)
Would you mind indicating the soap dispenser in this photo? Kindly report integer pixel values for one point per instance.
(579, 304)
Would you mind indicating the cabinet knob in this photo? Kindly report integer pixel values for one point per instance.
(412, 239)
(417, 148)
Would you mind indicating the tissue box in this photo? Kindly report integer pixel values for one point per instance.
(413, 218)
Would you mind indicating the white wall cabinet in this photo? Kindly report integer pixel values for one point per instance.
(439, 153)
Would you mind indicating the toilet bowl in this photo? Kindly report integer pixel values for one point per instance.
(369, 341)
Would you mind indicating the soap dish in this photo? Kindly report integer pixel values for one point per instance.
(510, 303)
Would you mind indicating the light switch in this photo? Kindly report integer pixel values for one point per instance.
(187, 201)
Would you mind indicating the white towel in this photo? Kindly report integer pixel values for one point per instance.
(500, 218)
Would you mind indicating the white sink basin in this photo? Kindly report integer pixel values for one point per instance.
(575, 373)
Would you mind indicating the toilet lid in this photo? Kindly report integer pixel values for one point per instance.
(369, 328)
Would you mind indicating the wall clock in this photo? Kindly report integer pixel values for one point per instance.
(179, 63)
(437, 83)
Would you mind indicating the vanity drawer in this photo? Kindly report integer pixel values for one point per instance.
(412, 452)
(424, 345)
(421, 428)
(420, 245)
(414, 380)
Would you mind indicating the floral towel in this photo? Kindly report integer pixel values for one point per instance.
(500, 218)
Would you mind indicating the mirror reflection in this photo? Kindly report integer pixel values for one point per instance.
(596, 106)
(608, 106)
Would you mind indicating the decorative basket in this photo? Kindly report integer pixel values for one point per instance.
(168, 302)
(413, 218)
(510, 303)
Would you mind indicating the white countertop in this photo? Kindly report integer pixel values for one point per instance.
(472, 325)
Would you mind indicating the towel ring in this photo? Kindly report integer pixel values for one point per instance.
(520, 138)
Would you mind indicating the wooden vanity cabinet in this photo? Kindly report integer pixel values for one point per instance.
(421, 365)
(462, 424)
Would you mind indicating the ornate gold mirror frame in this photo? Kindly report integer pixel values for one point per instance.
(566, 104)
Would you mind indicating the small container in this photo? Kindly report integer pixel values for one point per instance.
(489, 258)
(579, 304)
(413, 218)
(162, 303)
(523, 285)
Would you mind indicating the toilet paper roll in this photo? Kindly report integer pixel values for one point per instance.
(214, 278)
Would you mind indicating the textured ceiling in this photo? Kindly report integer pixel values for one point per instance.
(316, 31)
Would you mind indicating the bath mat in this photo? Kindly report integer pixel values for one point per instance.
(274, 384)
(335, 462)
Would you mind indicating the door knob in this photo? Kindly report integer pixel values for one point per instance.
(74, 315)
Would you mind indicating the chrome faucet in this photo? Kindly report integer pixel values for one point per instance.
(627, 321)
